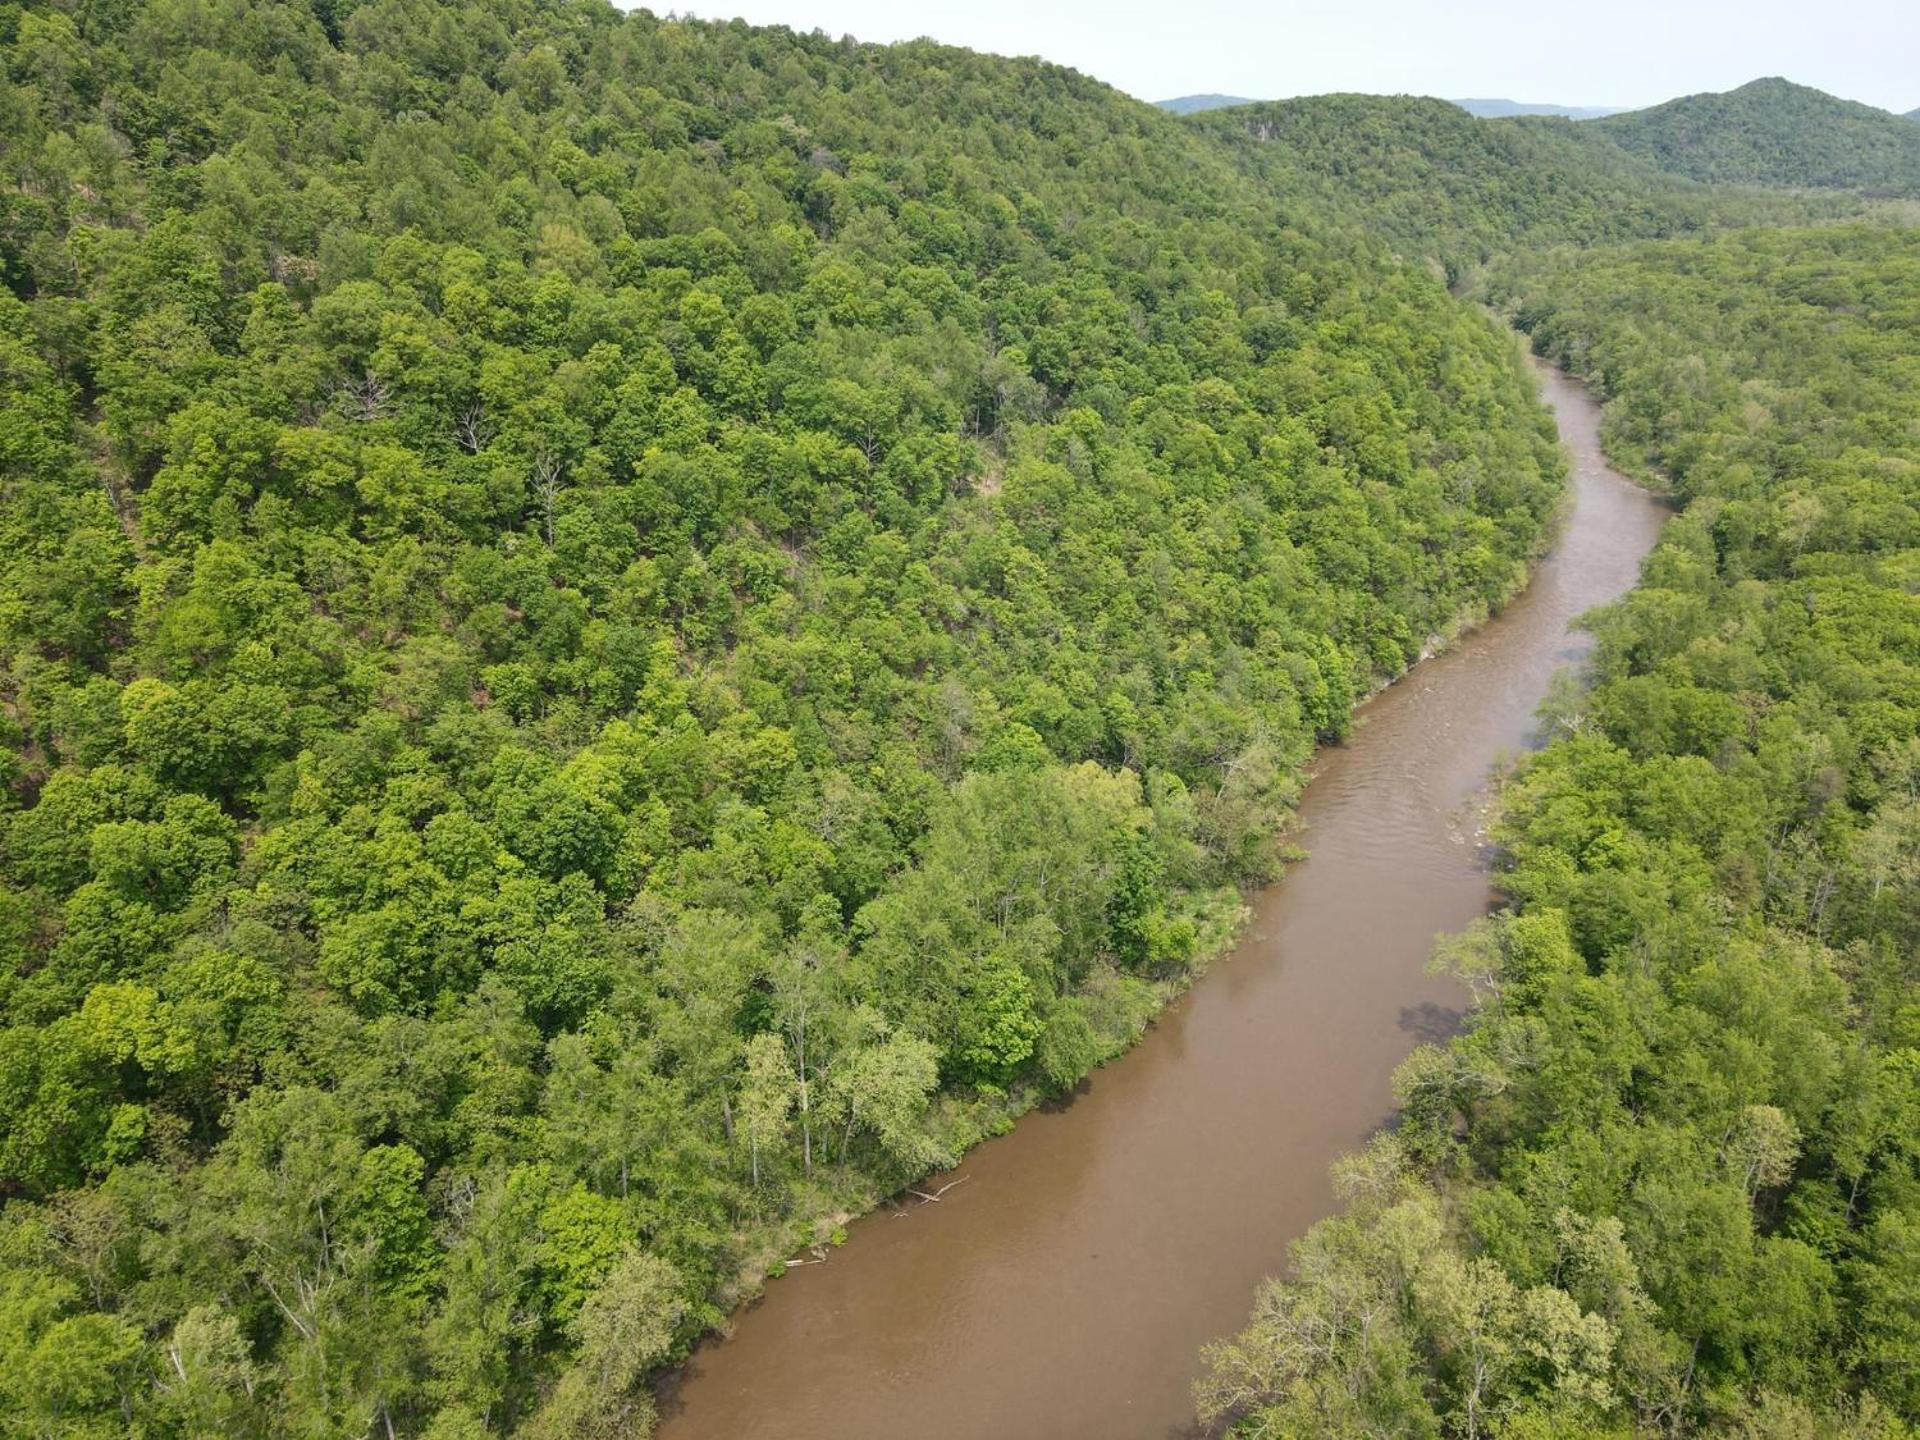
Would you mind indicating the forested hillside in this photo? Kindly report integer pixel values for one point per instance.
(1668, 1182)
(1437, 181)
(1773, 132)
(616, 634)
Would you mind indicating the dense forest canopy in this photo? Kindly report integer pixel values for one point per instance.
(616, 634)
(1773, 132)
(1668, 1182)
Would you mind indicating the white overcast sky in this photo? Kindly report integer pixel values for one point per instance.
(1614, 52)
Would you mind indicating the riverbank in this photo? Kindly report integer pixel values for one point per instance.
(960, 1122)
(1065, 1288)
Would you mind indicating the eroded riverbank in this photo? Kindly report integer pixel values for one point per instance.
(1066, 1288)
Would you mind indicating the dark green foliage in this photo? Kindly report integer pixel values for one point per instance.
(615, 634)
(1773, 132)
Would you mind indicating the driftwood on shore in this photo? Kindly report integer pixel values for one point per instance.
(934, 1198)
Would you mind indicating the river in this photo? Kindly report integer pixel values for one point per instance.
(1065, 1288)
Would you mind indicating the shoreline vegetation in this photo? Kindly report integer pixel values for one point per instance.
(1220, 925)
(613, 629)
(1564, 1234)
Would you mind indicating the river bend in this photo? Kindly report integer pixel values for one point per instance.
(1066, 1288)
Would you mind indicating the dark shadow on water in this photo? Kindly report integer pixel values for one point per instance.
(1054, 1104)
(1432, 1023)
(666, 1389)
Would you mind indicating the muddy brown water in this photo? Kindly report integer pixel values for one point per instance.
(1065, 1289)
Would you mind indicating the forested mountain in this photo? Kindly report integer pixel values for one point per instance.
(1193, 104)
(1668, 1182)
(1436, 181)
(1773, 132)
(616, 634)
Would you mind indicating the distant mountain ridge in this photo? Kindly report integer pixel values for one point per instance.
(1434, 181)
(1194, 104)
(1486, 109)
(1769, 132)
(1773, 132)
(1500, 109)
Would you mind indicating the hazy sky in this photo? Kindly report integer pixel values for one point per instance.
(1613, 52)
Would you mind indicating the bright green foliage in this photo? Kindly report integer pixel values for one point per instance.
(615, 635)
(882, 1088)
(1689, 1097)
(625, 1328)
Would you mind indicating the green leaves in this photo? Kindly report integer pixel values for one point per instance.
(616, 633)
(1672, 1127)
(625, 1327)
(66, 1370)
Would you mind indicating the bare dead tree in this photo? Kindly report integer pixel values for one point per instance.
(364, 399)
(933, 1198)
(546, 488)
(472, 430)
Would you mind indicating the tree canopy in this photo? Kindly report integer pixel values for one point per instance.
(615, 635)
(1668, 1182)
(1773, 132)
(1438, 182)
